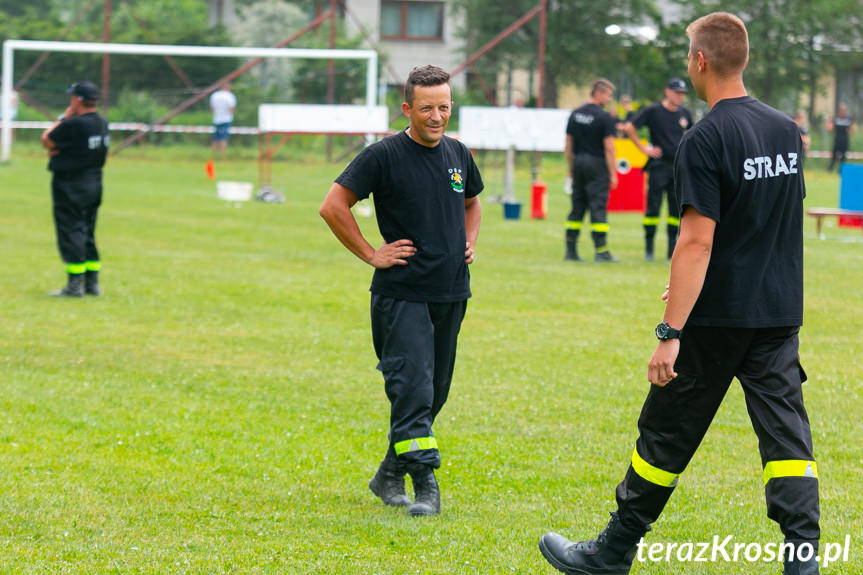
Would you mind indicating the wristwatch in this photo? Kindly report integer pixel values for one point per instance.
(664, 332)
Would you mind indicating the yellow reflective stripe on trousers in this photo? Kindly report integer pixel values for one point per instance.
(648, 221)
(790, 468)
(415, 444)
(76, 268)
(672, 221)
(651, 473)
(573, 225)
(93, 266)
(599, 227)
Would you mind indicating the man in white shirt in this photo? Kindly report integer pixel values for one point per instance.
(222, 103)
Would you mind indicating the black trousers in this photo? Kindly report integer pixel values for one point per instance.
(76, 198)
(840, 149)
(675, 418)
(590, 183)
(660, 182)
(416, 345)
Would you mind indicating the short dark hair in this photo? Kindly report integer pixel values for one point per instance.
(723, 40)
(601, 84)
(425, 76)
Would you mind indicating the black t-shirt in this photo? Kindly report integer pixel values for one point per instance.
(419, 194)
(841, 127)
(740, 166)
(82, 142)
(588, 126)
(666, 127)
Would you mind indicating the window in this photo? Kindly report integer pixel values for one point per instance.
(407, 20)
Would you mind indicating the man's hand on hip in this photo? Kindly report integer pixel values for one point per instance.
(393, 254)
(468, 253)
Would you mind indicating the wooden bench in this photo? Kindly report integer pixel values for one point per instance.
(820, 213)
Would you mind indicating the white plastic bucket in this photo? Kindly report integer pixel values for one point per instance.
(234, 191)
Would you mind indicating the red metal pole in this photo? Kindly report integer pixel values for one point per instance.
(331, 72)
(540, 97)
(498, 39)
(331, 64)
(106, 60)
(542, 27)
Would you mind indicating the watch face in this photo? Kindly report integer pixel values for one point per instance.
(662, 330)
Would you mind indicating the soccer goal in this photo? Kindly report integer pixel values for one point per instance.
(11, 46)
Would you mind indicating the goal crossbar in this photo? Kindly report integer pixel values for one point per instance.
(10, 46)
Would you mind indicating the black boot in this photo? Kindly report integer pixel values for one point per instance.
(649, 235)
(611, 553)
(604, 256)
(74, 287)
(793, 566)
(389, 482)
(426, 490)
(91, 283)
(572, 246)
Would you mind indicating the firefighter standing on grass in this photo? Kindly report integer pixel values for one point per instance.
(425, 187)
(734, 307)
(667, 121)
(78, 146)
(589, 153)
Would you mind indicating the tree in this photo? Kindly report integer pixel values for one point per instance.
(132, 21)
(577, 45)
(792, 43)
(266, 23)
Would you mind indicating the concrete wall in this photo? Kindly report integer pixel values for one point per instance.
(402, 55)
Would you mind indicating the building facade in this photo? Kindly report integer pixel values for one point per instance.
(408, 33)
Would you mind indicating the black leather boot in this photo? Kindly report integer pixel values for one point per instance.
(611, 553)
(794, 566)
(426, 490)
(604, 256)
(389, 482)
(572, 246)
(91, 283)
(73, 288)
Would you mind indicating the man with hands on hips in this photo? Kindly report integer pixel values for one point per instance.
(425, 187)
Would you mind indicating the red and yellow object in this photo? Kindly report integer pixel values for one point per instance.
(629, 196)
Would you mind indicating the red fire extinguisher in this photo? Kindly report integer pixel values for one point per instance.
(539, 201)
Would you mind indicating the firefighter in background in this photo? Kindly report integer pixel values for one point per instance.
(734, 307)
(667, 121)
(589, 153)
(78, 146)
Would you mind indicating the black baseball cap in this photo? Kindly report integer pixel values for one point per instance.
(84, 90)
(677, 85)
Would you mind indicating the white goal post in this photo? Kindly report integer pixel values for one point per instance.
(10, 46)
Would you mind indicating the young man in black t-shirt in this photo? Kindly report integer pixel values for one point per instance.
(842, 126)
(589, 153)
(734, 306)
(667, 121)
(78, 146)
(425, 188)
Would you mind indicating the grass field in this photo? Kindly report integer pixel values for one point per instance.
(218, 410)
